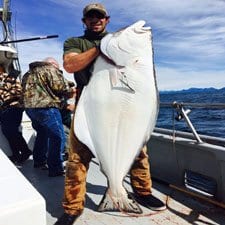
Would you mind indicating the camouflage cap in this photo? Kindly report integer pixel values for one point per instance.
(95, 7)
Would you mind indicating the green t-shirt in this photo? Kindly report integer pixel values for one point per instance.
(79, 45)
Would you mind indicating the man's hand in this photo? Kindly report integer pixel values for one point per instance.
(70, 107)
(73, 92)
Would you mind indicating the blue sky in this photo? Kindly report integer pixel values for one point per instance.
(188, 35)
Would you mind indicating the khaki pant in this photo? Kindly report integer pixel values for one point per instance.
(76, 173)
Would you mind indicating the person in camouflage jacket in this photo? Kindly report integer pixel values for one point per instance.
(11, 112)
(43, 89)
(10, 91)
(44, 86)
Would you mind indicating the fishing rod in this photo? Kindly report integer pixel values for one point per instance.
(30, 39)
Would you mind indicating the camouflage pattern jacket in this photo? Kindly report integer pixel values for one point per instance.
(44, 86)
(10, 91)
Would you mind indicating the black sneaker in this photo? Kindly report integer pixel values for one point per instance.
(150, 202)
(66, 219)
(13, 159)
(25, 156)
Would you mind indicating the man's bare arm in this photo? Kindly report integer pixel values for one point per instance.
(73, 62)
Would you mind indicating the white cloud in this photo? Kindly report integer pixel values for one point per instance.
(189, 37)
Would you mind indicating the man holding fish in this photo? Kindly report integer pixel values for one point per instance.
(80, 53)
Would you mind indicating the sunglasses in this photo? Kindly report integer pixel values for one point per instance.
(95, 15)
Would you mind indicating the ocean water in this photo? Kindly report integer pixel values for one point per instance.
(206, 121)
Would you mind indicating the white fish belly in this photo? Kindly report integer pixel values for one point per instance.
(115, 122)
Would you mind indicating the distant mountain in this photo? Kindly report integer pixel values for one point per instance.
(195, 90)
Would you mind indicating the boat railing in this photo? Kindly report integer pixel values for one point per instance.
(182, 113)
(193, 105)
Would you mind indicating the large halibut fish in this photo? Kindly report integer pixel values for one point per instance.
(117, 110)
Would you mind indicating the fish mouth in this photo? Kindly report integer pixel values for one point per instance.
(139, 27)
(109, 39)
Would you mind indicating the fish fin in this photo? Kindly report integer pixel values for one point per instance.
(115, 74)
(80, 125)
(124, 203)
(119, 80)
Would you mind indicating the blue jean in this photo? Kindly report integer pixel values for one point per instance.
(50, 139)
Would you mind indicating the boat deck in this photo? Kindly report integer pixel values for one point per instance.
(182, 208)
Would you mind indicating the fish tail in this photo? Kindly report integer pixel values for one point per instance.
(124, 203)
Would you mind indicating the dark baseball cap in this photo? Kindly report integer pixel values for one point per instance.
(95, 7)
